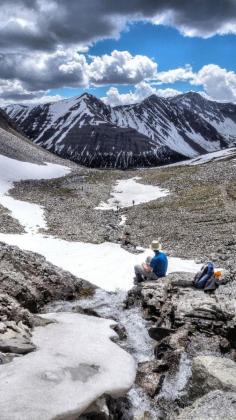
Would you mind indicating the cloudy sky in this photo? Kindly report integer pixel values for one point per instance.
(121, 51)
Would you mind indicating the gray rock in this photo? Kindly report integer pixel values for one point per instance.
(28, 282)
(211, 373)
(16, 338)
(216, 405)
(149, 377)
(17, 345)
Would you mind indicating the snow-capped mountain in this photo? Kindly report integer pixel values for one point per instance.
(155, 131)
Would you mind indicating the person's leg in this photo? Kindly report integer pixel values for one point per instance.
(139, 273)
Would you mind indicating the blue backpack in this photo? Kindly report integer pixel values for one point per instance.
(203, 275)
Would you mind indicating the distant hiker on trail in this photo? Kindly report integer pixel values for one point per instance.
(126, 240)
(208, 278)
(154, 267)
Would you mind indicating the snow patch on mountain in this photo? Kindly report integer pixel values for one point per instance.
(89, 132)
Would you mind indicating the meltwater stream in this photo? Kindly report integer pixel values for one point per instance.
(138, 343)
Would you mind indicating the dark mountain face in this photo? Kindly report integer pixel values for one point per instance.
(153, 132)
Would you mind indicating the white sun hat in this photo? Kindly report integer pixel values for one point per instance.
(156, 245)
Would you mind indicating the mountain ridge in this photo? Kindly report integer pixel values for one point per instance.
(155, 131)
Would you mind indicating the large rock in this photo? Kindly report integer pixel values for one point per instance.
(15, 338)
(75, 363)
(31, 282)
(210, 373)
(153, 296)
(217, 405)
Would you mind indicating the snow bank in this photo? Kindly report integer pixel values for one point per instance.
(30, 216)
(106, 265)
(208, 157)
(63, 377)
(128, 190)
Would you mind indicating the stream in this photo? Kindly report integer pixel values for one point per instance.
(138, 343)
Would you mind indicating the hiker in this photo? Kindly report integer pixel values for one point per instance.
(208, 278)
(126, 240)
(154, 267)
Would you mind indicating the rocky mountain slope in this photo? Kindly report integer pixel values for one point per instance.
(152, 132)
(193, 365)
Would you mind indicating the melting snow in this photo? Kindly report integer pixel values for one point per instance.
(64, 377)
(30, 216)
(106, 265)
(128, 192)
(208, 157)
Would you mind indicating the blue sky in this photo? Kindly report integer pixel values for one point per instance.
(168, 48)
(119, 51)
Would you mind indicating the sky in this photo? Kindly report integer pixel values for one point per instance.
(119, 51)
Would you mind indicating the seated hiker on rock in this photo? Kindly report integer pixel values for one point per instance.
(154, 267)
(208, 278)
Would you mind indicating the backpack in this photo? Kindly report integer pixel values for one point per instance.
(207, 269)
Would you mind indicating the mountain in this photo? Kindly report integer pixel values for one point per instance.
(14, 145)
(152, 132)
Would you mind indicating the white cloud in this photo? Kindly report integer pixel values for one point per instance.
(174, 75)
(141, 91)
(218, 83)
(121, 67)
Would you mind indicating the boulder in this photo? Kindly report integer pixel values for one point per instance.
(180, 279)
(154, 295)
(15, 338)
(212, 372)
(217, 405)
(150, 377)
(28, 282)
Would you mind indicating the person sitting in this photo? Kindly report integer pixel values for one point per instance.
(154, 267)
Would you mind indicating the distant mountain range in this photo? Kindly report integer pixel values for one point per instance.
(152, 132)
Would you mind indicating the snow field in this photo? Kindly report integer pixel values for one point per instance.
(128, 190)
(30, 216)
(106, 265)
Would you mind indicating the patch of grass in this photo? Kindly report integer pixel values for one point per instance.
(231, 190)
(161, 175)
(104, 176)
(196, 198)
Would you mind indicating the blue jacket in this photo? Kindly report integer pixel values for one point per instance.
(159, 264)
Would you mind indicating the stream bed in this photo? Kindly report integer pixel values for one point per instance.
(137, 342)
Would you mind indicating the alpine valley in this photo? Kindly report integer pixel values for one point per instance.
(155, 131)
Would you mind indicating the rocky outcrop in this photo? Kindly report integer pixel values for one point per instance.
(33, 282)
(211, 372)
(216, 405)
(189, 328)
(27, 283)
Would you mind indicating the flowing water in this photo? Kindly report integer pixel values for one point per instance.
(138, 343)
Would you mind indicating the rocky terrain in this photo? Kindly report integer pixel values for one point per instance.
(153, 132)
(197, 219)
(27, 283)
(186, 364)
(195, 347)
